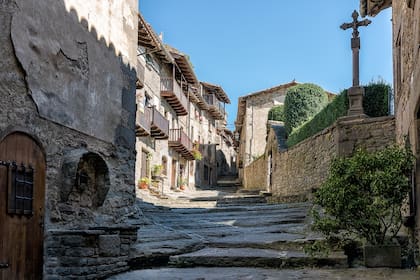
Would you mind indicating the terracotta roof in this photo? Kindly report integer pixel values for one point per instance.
(147, 38)
(218, 91)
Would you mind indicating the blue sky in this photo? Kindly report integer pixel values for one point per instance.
(249, 45)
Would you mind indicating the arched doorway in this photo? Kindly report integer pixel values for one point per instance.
(22, 197)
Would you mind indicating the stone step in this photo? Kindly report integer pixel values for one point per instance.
(245, 200)
(153, 254)
(252, 257)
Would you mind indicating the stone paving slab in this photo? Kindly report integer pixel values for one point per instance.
(251, 257)
(234, 273)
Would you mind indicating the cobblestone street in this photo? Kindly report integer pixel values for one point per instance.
(226, 235)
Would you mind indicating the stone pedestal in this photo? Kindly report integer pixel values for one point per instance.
(355, 95)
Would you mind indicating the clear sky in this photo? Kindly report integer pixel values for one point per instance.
(250, 45)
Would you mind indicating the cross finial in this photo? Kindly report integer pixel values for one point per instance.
(355, 24)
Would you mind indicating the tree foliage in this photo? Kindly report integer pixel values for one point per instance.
(376, 99)
(375, 104)
(302, 103)
(363, 195)
(276, 113)
(326, 117)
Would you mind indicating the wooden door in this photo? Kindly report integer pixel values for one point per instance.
(173, 174)
(22, 195)
(143, 164)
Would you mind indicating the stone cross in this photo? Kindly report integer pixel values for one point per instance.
(356, 92)
(355, 42)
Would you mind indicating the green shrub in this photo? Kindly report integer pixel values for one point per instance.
(375, 104)
(376, 99)
(276, 113)
(363, 195)
(326, 117)
(302, 103)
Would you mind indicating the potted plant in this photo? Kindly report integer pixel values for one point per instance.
(182, 183)
(157, 171)
(144, 183)
(196, 151)
(196, 154)
(362, 200)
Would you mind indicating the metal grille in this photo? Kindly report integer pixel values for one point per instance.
(20, 188)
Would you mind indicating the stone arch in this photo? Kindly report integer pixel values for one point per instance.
(85, 179)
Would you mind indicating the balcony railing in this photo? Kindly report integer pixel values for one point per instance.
(181, 143)
(143, 120)
(215, 107)
(172, 92)
(159, 126)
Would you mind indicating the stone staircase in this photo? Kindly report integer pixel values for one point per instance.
(241, 231)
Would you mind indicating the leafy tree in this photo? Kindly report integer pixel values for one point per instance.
(376, 99)
(302, 103)
(276, 113)
(363, 196)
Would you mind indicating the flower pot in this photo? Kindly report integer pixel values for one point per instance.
(382, 255)
(143, 186)
(182, 187)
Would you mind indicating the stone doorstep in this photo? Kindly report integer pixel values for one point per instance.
(285, 242)
(251, 257)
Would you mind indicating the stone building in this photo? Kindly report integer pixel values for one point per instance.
(67, 140)
(251, 122)
(406, 58)
(213, 138)
(177, 116)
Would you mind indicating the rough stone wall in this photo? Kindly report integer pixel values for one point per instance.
(255, 175)
(89, 254)
(48, 68)
(257, 108)
(113, 20)
(406, 53)
(303, 168)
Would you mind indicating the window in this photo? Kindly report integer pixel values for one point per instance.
(20, 189)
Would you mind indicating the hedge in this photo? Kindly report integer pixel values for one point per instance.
(375, 104)
(335, 109)
(376, 99)
(302, 103)
(276, 113)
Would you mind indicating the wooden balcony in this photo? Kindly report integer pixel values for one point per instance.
(143, 121)
(159, 126)
(215, 107)
(172, 92)
(181, 143)
(201, 103)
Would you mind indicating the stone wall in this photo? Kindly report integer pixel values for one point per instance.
(64, 86)
(255, 175)
(88, 254)
(301, 169)
(406, 54)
